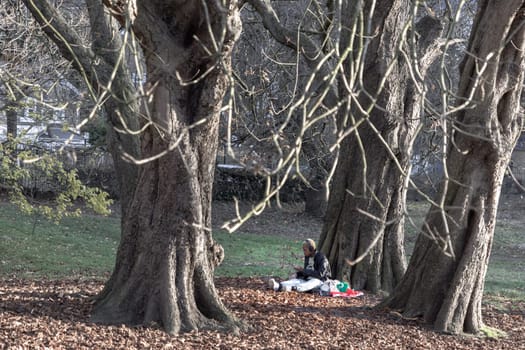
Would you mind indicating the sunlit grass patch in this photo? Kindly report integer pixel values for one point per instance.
(256, 255)
(34, 246)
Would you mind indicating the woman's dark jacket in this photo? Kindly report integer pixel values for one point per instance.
(321, 268)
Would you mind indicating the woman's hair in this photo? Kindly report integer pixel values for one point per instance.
(310, 244)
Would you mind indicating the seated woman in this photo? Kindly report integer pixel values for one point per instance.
(315, 271)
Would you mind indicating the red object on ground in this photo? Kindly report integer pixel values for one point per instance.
(350, 293)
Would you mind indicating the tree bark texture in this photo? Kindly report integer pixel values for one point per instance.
(446, 273)
(166, 258)
(368, 191)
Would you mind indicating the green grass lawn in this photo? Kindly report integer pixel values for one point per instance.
(257, 255)
(87, 246)
(35, 247)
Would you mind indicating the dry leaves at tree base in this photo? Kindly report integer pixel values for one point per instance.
(41, 314)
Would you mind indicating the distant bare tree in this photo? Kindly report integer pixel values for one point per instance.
(279, 50)
(120, 104)
(26, 77)
(32, 77)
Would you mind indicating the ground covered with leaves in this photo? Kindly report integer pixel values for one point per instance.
(52, 314)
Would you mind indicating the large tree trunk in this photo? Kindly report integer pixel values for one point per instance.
(366, 206)
(166, 258)
(446, 274)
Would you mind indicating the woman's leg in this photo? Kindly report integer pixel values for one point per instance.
(308, 285)
(290, 284)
